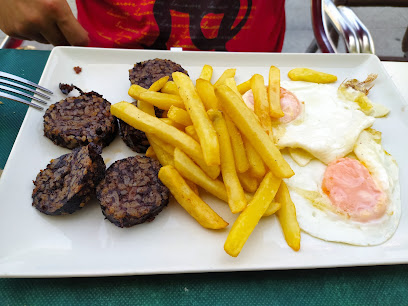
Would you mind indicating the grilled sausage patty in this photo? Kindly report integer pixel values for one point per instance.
(146, 73)
(131, 192)
(69, 181)
(77, 121)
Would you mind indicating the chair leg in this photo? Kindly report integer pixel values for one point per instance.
(405, 44)
(312, 47)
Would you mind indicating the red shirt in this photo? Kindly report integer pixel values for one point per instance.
(221, 25)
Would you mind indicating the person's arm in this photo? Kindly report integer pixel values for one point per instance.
(46, 21)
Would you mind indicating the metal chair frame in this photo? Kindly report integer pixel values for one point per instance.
(329, 14)
(10, 43)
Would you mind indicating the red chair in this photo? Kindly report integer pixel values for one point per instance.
(10, 43)
(332, 19)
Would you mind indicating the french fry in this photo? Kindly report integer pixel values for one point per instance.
(202, 124)
(248, 182)
(135, 91)
(189, 170)
(241, 159)
(156, 86)
(168, 148)
(212, 171)
(166, 159)
(162, 155)
(310, 75)
(287, 217)
(249, 218)
(275, 109)
(190, 130)
(261, 103)
(206, 92)
(150, 152)
(146, 107)
(164, 150)
(161, 100)
(272, 208)
(230, 82)
(236, 196)
(229, 73)
(171, 88)
(193, 186)
(179, 115)
(256, 164)
(173, 123)
(149, 124)
(189, 200)
(206, 73)
(244, 87)
(249, 126)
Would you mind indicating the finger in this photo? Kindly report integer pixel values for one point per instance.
(20, 37)
(74, 33)
(54, 36)
(30, 36)
(39, 38)
(33, 36)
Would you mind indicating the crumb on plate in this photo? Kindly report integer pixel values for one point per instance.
(78, 69)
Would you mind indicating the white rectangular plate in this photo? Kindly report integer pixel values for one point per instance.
(85, 244)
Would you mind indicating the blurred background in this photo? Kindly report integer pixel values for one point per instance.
(386, 24)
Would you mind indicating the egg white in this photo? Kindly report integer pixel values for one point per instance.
(327, 128)
(317, 219)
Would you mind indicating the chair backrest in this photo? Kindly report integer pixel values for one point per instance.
(320, 30)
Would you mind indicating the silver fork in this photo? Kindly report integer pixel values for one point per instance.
(15, 81)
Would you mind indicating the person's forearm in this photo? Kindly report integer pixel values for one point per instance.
(46, 21)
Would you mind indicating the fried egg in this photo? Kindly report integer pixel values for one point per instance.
(345, 187)
(354, 199)
(327, 127)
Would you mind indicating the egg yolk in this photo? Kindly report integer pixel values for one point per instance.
(289, 103)
(352, 190)
(290, 106)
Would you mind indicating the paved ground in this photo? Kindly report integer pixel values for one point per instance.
(387, 26)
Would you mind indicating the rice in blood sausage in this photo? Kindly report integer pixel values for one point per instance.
(131, 192)
(69, 181)
(77, 121)
(145, 74)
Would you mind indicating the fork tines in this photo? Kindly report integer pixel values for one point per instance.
(16, 82)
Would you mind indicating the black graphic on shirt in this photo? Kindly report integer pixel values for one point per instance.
(196, 11)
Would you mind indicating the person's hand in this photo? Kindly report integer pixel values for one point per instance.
(46, 21)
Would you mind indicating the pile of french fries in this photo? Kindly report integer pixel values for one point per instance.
(210, 139)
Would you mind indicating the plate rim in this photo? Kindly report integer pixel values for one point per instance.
(54, 53)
